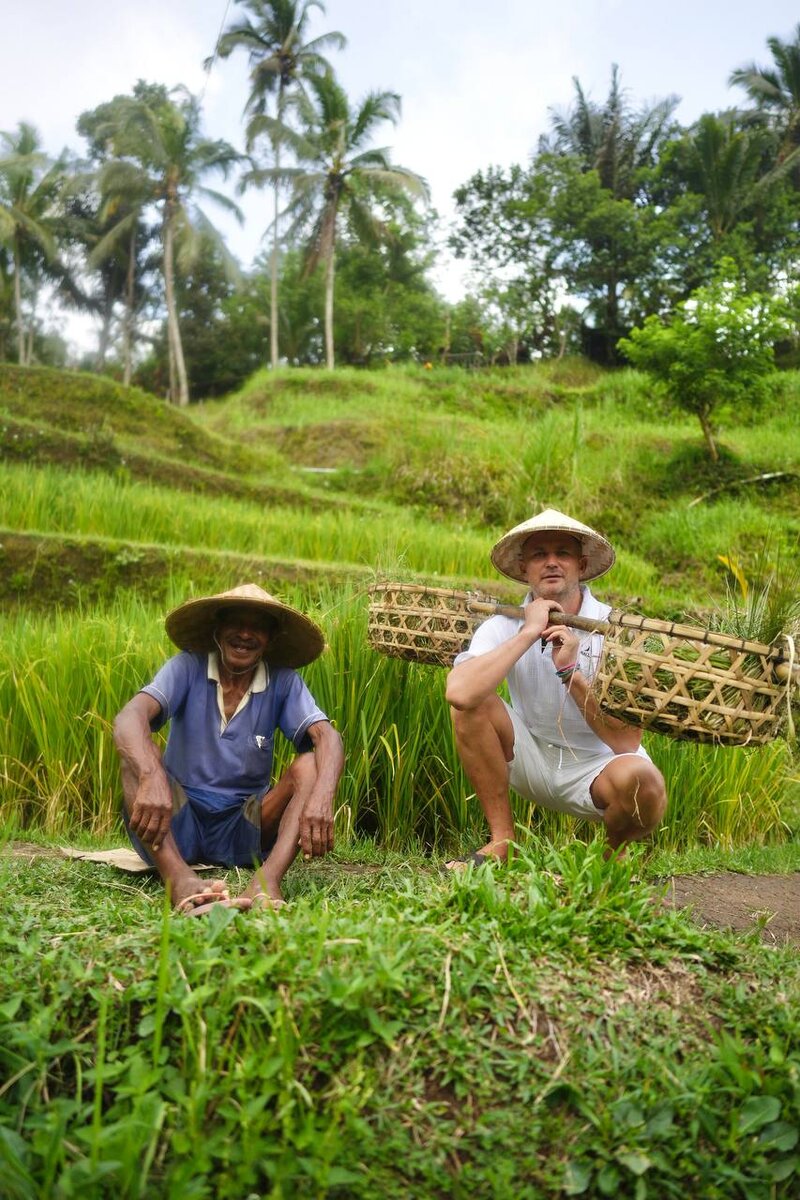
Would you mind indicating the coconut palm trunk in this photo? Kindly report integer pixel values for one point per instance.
(181, 382)
(18, 300)
(330, 269)
(273, 284)
(127, 329)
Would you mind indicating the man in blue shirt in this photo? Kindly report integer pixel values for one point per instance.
(210, 799)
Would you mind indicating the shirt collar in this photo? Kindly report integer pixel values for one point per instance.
(260, 681)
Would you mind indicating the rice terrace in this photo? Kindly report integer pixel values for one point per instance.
(564, 1025)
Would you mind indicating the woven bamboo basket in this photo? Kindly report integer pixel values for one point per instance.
(687, 683)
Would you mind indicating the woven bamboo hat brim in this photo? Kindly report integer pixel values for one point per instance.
(598, 552)
(295, 642)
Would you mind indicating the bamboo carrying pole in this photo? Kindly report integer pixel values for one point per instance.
(781, 665)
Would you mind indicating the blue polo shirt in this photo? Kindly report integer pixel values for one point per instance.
(233, 759)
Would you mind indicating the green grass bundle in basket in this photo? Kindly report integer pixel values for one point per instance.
(689, 683)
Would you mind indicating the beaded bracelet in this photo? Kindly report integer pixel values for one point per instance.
(566, 673)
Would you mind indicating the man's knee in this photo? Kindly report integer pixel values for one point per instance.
(466, 719)
(632, 796)
(299, 774)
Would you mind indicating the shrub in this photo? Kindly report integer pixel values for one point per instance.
(717, 348)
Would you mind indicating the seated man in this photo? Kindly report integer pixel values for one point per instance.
(210, 799)
(552, 744)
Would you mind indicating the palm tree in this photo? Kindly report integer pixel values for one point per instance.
(724, 164)
(280, 62)
(339, 176)
(610, 138)
(30, 190)
(776, 91)
(117, 234)
(162, 157)
(120, 236)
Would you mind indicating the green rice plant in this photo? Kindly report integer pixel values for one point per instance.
(74, 503)
(723, 795)
(764, 604)
(63, 678)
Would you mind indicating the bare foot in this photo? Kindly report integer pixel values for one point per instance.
(202, 908)
(262, 893)
(189, 893)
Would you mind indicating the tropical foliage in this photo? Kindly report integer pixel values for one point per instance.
(620, 214)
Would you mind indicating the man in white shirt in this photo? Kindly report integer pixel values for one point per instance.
(552, 744)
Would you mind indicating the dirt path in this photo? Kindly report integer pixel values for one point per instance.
(734, 901)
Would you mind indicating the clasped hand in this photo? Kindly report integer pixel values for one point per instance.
(564, 641)
(152, 810)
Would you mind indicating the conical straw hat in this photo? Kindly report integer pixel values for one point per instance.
(295, 642)
(598, 552)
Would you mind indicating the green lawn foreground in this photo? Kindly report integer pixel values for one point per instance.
(550, 1029)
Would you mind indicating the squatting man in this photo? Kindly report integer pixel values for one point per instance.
(552, 743)
(210, 799)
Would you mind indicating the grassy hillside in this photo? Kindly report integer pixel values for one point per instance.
(425, 469)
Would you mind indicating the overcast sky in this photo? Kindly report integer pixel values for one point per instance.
(476, 77)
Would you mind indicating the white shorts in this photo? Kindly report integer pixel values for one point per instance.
(555, 776)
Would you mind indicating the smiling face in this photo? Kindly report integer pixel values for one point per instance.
(553, 564)
(242, 636)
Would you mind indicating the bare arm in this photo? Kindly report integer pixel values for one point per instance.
(473, 681)
(151, 812)
(316, 819)
(617, 735)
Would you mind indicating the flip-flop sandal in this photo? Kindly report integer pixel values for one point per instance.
(476, 857)
(263, 902)
(188, 906)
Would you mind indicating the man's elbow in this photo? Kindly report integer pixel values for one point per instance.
(119, 727)
(454, 692)
(329, 740)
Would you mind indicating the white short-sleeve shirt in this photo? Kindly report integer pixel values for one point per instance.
(537, 694)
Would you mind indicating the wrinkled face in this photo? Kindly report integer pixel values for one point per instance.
(553, 564)
(243, 635)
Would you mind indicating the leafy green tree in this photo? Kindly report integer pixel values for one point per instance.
(160, 152)
(385, 307)
(602, 216)
(339, 177)
(577, 221)
(303, 300)
(717, 348)
(223, 328)
(724, 164)
(281, 60)
(31, 190)
(505, 232)
(721, 198)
